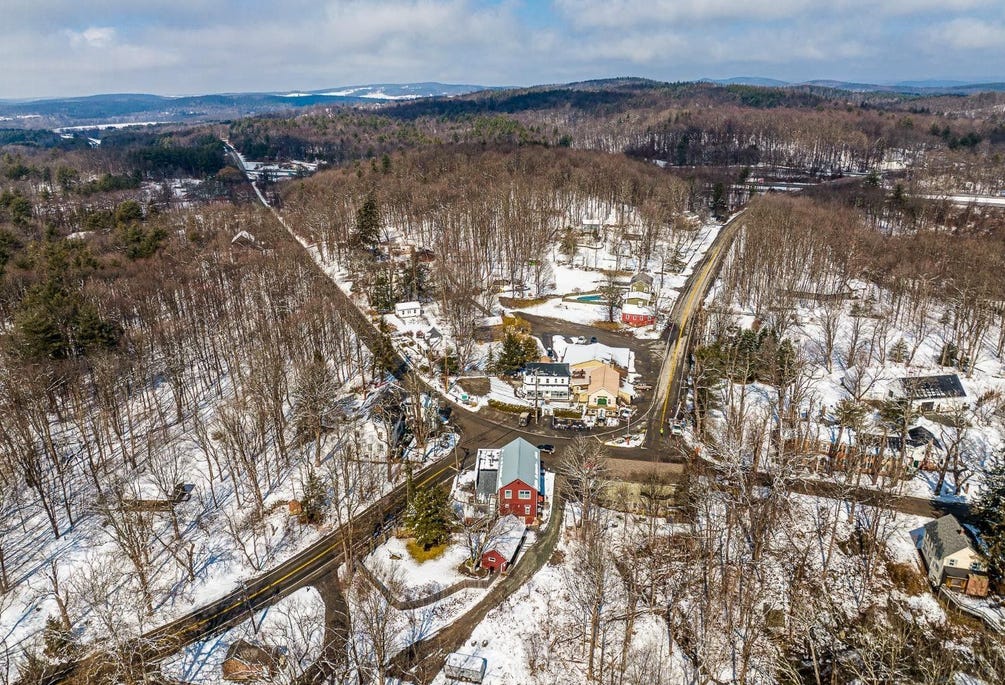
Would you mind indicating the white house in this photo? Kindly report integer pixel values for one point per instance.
(407, 310)
(951, 558)
(543, 381)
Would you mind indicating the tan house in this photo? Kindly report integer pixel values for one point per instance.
(603, 387)
(951, 558)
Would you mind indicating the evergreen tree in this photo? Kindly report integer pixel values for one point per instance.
(898, 353)
(517, 349)
(314, 502)
(382, 292)
(368, 224)
(429, 516)
(59, 642)
(989, 513)
(414, 280)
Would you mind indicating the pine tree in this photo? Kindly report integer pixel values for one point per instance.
(898, 353)
(315, 498)
(517, 349)
(989, 512)
(59, 642)
(368, 224)
(429, 516)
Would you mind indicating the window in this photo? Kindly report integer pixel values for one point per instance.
(952, 562)
(524, 494)
(601, 401)
(526, 509)
(507, 494)
(977, 566)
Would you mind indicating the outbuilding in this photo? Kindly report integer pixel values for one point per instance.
(407, 310)
(503, 543)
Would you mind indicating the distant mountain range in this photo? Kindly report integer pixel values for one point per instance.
(145, 108)
(926, 87)
(135, 108)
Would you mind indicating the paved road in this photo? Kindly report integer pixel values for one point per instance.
(673, 374)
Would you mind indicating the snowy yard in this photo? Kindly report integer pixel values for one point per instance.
(393, 562)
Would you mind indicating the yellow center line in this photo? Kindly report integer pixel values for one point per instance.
(293, 572)
(711, 258)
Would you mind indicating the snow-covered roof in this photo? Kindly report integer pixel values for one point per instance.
(465, 663)
(505, 536)
(487, 472)
(637, 309)
(577, 354)
(407, 305)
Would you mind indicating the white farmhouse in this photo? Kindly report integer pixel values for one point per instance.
(407, 310)
(543, 381)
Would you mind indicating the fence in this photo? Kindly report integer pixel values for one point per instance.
(417, 602)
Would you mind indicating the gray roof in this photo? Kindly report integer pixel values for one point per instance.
(486, 485)
(947, 536)
(642, 278)
(933, 387)
(520, 460)
(546, 369)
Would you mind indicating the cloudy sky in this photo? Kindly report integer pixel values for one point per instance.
(79, 47)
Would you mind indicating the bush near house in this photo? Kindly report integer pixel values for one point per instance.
(507, 407)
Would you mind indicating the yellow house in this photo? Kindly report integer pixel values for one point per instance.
(951, 558)
(602, 391)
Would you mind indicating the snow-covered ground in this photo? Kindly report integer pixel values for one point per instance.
(983, 435)
(295, 624)
(392, 561)
(220, 541)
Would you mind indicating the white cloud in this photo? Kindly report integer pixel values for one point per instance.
(92, 37)
(58, 47)
(969, 34)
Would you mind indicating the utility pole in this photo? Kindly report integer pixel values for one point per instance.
(247, 603)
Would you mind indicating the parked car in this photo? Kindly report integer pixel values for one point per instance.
(593, 339)
(547, 449)
(525, 418)
(676, 429)
(579, 340)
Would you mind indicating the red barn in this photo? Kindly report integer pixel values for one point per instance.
(512, 477)
(636, 315)
(503, 543)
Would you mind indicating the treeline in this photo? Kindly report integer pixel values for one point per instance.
(684, 124)
(340, 136)
(486, 216)
(791, 247)
(39, 138)
(162, 155)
